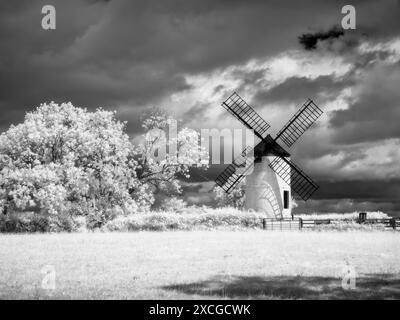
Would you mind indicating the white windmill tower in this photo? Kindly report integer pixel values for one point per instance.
(270, 174)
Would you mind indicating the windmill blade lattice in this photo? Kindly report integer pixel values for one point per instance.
(246, 114)
(236, 171)
(299, 123)
(301, 184)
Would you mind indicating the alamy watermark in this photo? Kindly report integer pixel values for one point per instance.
(49, 18)
(349, 277)
(49, 278)
(349, 20)
(224, 145)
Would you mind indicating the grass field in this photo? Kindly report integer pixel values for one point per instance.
(201, 265)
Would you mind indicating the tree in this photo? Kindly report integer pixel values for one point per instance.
(235, 198)
(63, 158)
(167, 153)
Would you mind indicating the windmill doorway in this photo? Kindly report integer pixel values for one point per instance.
(285, 199)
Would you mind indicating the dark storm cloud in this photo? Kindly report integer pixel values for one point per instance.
(379, 19)
(332, 196)
(219, 88)
(298, 89)
(250, 77)
(318, 148)
(68, 64)
(354, 195)
(134, 53)
(391, 207)
(199, 111)
(322, 88)
(375, 113)
(375, 190)
(309, 40)
(375, 20)
(370, 59)
(212, 173)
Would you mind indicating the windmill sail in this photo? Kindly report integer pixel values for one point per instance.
(246, 114)
(299, 123)
(236, 171)
(301, 184)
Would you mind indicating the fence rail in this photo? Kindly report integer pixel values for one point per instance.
(299, 224)
(393, 223)
(281, 224)
(309, 223)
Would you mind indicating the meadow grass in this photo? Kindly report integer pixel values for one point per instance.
(200, 264)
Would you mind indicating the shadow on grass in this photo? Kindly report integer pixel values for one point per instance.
(370, 286)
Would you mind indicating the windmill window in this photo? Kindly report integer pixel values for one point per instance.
(285, 199)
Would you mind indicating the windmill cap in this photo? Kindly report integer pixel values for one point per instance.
(269, 147)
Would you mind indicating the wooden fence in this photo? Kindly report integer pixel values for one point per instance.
(299, 224)
(281, 225)
(311, 223)
(392, 223)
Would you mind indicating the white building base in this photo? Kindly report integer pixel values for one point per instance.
(267, 192)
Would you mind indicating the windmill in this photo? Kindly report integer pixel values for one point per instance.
(270, 174)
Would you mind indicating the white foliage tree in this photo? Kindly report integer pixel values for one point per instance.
(164, 157)
(62, 157)
(235, 198)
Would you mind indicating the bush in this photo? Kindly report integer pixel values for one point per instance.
(338, 225)
(342, 216)
(173, 204)
(199, 218)
(35, 222)
(190, 218)
(234, 199)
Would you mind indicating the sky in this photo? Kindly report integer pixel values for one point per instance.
(188, 56)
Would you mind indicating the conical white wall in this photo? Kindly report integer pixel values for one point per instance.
(265, 191)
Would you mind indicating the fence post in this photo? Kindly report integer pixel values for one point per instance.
(300, 223)
(393, 223)
(264, 223)
(362, 216)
